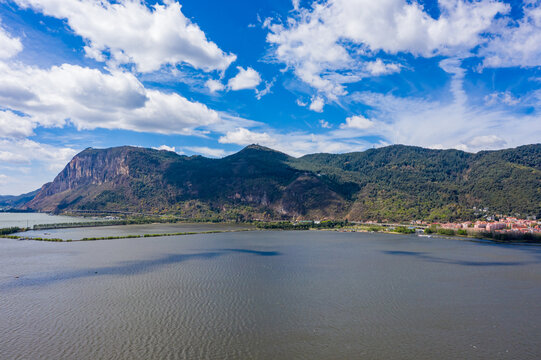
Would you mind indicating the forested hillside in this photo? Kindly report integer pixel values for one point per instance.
(391, 183)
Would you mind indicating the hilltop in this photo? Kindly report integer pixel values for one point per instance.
(391, 183)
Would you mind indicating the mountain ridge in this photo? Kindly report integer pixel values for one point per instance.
(396, 182)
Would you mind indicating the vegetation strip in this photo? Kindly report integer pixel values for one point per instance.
(310, 225)
(132, 221)
(18, 237)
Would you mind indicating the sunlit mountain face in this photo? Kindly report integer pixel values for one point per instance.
(300, 77)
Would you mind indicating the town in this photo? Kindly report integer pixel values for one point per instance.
(507, 225)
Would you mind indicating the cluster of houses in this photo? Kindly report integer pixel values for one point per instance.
(508, 224)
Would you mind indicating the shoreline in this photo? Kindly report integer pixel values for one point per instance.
(128, 236)
(134, 236)
(328, 225)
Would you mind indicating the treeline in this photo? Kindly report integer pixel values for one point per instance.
(120, 236)
(305, 225)
(10, 230)
(128, 221)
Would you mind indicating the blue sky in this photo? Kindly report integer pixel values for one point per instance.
(299, 76)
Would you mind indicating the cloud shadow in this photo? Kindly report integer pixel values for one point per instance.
(427, 257)
(125, 268)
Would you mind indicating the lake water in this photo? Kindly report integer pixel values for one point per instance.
(270, 295)
(124, 230)
(24, 220)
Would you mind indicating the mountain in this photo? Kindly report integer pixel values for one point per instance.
(14, 201)
(392, 183)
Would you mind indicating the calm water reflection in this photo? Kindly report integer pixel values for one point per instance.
(270, 295)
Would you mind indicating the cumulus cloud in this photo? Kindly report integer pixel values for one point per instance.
(17, 155)
(165, 148)
(15, 126)
(357, 122)
(245, 79)
(378, 67)
(89, 99)
(128, 31)
(327, 44)
(242, 136)
(214, 85)
(317, 104)
(516, 42)
(9, 46)
(25, 151)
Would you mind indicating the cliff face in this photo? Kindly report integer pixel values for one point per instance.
(90, 168)
(392, 183)
(90, 172)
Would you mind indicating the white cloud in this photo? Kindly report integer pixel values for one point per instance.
(3, 179)
(90, 99)
(327, 44)
(317, 104)
(266, 90)
(301, 143)
(324, 124)
(378, 67)
(9, 46)
(516, 43)
(214, 85)
(165, 148)
(45, 161)
(26, 151)
(207, 151)
(15, 126)
(245, 79)
(504, 97)
(486, 142)
(357, 122)
(127, 31)
(242, 136)
(448, 124)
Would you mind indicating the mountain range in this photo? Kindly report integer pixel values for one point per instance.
(391, 183)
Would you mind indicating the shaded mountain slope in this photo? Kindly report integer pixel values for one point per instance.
(391, 183)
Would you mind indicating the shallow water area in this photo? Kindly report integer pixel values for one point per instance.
(24, 219)
(270, 295)
(126, 230)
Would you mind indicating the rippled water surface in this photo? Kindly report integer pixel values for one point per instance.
(270, 295)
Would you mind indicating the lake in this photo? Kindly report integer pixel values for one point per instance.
(270, 295)
(125, 230)
(24, 220)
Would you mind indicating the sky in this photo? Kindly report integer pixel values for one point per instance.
(210, 77)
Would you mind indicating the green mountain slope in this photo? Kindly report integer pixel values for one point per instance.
(391, 183)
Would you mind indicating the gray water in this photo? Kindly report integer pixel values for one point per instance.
(124, 230)
(30, 219)
(270, 295)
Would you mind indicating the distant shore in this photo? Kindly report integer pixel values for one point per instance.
(329, 225)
